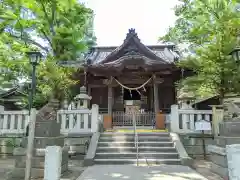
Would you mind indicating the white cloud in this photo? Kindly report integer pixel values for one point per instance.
(113, 18)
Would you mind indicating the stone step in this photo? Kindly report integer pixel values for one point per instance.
(139, 129)
(142, 155)
(117, 134)
(140, 161)
(132, 138)
(132, 144)
(133, 149)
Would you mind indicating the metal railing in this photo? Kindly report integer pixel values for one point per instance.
(135, 136)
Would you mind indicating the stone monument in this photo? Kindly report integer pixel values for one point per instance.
(47, 133)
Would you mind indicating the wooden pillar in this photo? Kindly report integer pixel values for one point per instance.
(89, 90)
(156, 98)
(159, 117)
(107, 119)
(110, 100)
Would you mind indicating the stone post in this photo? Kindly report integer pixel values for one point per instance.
(217, 118)
(233, 158)
(1, 120)
(174, 118)
(30, 144)
(52, 164)
(94, 120)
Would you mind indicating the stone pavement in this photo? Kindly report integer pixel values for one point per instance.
(203, 167)
(6, 165)
(128, 172)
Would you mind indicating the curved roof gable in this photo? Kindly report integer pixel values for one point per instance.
(132, 46)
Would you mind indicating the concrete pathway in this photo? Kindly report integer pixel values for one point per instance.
(203, 167)
(128, 172)
(6, 165)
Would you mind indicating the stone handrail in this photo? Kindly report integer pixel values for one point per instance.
(72, 121)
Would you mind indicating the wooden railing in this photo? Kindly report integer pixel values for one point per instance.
(72, 121)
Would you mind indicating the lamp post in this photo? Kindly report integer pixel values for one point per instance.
(34, 59)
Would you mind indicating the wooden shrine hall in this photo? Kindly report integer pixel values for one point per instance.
(132, 75)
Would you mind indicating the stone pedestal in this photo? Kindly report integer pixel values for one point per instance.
(229, 134)
(47, 133)
(218, 161)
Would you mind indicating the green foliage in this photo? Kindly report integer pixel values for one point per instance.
(61, 30)
(211, 29)
(55, 79)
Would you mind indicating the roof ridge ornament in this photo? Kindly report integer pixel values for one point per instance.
(131, 33)
(132, 30)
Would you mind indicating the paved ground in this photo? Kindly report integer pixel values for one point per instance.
(127, 172)
(6, 165)
(75, 167)
(201, 166)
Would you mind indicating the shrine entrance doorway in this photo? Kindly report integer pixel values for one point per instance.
(133, 99)
(131, 95)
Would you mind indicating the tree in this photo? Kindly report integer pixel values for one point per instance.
(60, 29)
(210, 28)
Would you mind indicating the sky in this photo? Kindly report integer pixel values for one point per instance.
(113, 18)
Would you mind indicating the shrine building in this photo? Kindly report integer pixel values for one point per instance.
(132, 75)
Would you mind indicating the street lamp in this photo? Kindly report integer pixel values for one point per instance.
(34, 59)
(236, 54)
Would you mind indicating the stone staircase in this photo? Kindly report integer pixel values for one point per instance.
(119, 148)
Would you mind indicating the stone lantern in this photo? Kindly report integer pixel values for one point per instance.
(185, 100)
(82, 100)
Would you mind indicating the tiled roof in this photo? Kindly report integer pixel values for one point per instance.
(165, 52)
(132, 46)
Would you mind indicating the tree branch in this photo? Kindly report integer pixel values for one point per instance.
(45, 35)
(47, 17)
(53, 17)
(31, 42)
(45, 13)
